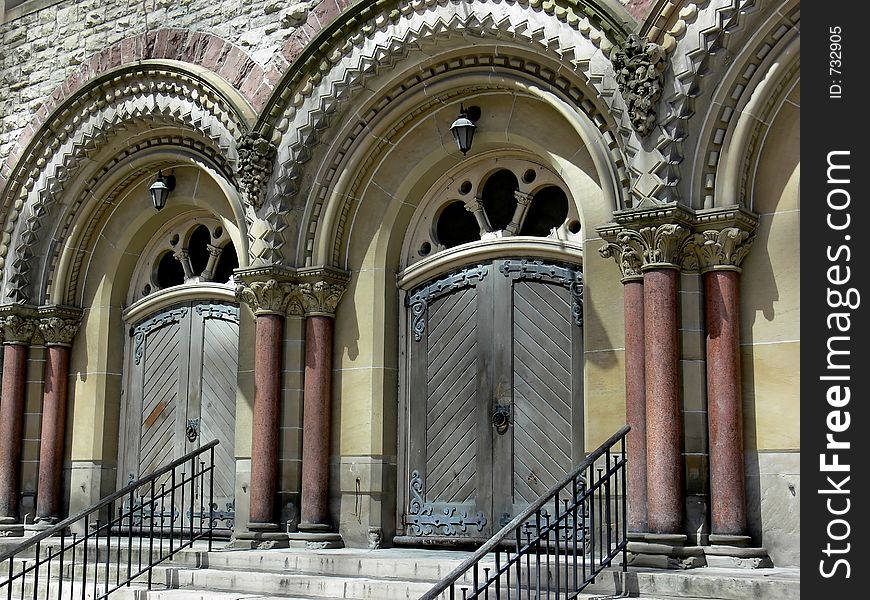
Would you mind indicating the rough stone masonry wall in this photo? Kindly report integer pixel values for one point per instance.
(40, 50)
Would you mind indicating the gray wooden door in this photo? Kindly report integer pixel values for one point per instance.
(495, 394)
(181, 394)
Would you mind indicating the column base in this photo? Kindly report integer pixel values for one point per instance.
(11, 529)
(663, 551)
(734, 551)
(41, 524)
(260, 536)
(315, 536)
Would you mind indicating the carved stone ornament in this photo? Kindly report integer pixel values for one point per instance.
(320, 297)
(269, 297)
(660, 246)
(723, 248)
(628, 258)
(57, 331)
(256, 154)
(18, 329)
(639, 70)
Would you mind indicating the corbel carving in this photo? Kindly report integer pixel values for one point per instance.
(256, 154)
(639, 70)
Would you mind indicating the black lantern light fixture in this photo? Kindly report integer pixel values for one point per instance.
(160, 189)
(463, 127)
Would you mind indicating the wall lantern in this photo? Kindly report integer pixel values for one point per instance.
(463, 127)
(160, 189)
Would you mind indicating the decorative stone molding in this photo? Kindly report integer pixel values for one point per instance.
(256, 154)
(639, 69)
(58, 325)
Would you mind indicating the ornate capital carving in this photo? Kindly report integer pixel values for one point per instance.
(722, 248)
(320, 297)
(58, 331)
(256, 154)
(627, 257)
(298, 292)
(639, 70)
(269, 297)
(662, 246)
(18, 329)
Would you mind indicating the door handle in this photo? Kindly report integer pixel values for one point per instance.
(192, 429)
(501, 417)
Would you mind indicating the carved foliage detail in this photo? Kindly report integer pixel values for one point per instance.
(320, 297)
(666, 244)
(18, 329)
(725, 247)
(256, 154)
(270, 296)
(58, 331)
(639, 69)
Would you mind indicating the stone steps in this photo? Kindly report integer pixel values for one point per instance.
(406, 573)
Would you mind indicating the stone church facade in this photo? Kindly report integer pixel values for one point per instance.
(374, 324)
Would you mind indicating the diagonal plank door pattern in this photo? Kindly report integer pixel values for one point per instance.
(512, 327)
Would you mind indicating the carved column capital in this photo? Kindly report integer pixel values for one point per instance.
(18, 329)
(627, 257)
(320, 298)
(722, 249)
(663, 246)
(58, 325)
(269, 296)
(321, 290)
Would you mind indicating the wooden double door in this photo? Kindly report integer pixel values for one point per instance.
(181, 394)
(494, 394)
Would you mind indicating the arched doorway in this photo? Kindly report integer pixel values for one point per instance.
(182, 359)
(493, 350)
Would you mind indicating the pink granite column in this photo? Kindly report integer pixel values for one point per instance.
(11, 423)
(266, 419)
(51, 438)
(664, 436)
(316, 421)
(724, 406)
(635, 404)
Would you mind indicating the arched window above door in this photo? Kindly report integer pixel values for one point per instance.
(191, 250)
(497, 197)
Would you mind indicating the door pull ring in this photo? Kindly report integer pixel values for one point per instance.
(501, 418)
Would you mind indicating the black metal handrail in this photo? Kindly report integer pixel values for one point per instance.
(92, 552)
(561, 553)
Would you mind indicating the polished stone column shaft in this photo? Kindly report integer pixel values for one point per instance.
(316, 421)
(664, 434)
(266, 418)
(724, 406)
(51, 441)
(635, 405)
(11, 423)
